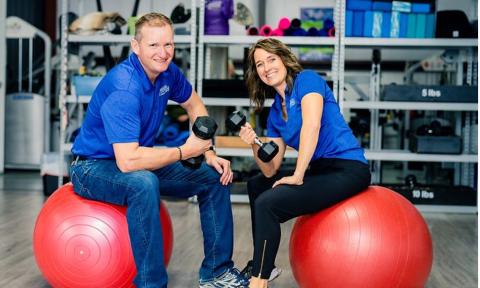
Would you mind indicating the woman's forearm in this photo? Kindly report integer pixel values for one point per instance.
(308, 142)
(267, 168)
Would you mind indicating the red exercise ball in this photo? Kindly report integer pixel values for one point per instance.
(374, 239)
(84, 243)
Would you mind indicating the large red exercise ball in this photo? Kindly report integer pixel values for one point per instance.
(376, 238)
(83, 243)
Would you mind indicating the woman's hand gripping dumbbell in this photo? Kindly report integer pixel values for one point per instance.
(267, 151)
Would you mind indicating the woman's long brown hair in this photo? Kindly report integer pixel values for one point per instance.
(259, 91)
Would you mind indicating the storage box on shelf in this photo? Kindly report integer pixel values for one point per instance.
(398, 19)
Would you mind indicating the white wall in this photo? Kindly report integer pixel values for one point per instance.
(470, 7)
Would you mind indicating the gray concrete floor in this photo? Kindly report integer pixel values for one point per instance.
(21, 198)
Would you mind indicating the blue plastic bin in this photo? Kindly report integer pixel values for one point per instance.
(85, 85)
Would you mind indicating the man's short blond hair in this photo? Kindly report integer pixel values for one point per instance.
(151, 19)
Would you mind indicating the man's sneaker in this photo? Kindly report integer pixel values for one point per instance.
(230, 279)
(247, 271)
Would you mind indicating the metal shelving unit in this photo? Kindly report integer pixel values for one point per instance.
(463, 162)
(400, 105)
(119, 39)
(66, 100)
(223, 102)
(206, 42)
(415, 43)
(402, 155)
(248, 40)
(341, 43)
(201, 69)
(247, 152)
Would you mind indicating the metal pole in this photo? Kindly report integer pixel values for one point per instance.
(63, 88)
(201, 63)
(3, 66)
(193, 39)
(30, 64)
(338, 55)
(47, 78)
(20, 63)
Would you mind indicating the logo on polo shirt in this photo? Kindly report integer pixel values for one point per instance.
(292, 102)
(163, 90)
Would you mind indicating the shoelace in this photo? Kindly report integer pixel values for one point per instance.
(230, 277)
(233, 277)
(240, 276)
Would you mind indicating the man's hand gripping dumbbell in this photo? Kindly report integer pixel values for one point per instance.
(267, 151)
(204, 128)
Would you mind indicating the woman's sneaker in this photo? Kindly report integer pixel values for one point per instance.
(247, 271)
(230, 279)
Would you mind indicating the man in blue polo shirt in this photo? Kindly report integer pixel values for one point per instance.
(115, 160)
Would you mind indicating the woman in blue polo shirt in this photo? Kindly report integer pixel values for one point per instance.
(331, 165)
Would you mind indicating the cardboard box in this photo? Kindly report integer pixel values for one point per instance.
(235, 142)
(232, 142)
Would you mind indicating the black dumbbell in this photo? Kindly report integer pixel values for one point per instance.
(411, 181)
(204, 128)
(267, 151)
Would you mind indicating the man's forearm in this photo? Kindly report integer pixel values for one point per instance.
(147, 158)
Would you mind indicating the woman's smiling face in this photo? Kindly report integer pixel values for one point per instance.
(270, 69)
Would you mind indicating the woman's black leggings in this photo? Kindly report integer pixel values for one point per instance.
(327, 182)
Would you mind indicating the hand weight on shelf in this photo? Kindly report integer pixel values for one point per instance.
(267, 151)
(204, 128)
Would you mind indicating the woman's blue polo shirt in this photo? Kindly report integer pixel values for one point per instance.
(335, 139)
(127, 107)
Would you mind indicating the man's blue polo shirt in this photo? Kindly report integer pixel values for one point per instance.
(127, 107)
(335, 140)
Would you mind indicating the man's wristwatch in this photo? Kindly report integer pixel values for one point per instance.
(212, 148)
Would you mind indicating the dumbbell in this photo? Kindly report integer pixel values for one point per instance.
(204, 128)
(267, 151)
(411, 181)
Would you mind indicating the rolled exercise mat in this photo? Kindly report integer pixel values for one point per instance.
(266, 30)
(252, 31)
(284, 23)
